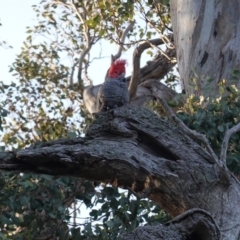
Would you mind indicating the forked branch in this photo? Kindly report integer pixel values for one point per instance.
(135, 79)
(86, 31)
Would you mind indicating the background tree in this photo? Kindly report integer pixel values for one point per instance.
(154, 159)
(211, 22)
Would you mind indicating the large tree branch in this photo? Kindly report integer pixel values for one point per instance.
(133, 148)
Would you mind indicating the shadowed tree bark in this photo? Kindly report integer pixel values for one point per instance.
(192, 225)
(133, 148)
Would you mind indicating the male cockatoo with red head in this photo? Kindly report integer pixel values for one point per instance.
(101, 97)
(114, 91)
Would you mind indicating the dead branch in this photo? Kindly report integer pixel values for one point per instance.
(148, 153)
(159, 67)
(136, 65)
(147, 91)
(135, 79)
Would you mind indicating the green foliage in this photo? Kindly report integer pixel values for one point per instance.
(212, 116)
(121, 211)
(37, 205)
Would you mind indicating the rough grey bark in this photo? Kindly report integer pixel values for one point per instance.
(134, 148)
(206, 36)
(149, 90)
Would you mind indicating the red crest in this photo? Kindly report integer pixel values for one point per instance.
(117, 68)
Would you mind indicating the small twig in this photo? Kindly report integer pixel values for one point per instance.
(161, 51)
(131, 42)
(191, 133)
(119, 53)
(89, 42)
(168, 40)
(122, 40)
(148, 21)
(224, 147)
(74, 212)
(86, 71)
(72, 73)
(82, 16)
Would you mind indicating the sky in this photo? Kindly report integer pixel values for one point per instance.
(16, 15)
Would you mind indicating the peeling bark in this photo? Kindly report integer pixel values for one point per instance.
(133, 148)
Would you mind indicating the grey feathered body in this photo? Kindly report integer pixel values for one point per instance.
(112, 94)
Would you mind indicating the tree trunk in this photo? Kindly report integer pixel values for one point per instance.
(133, 148)
(207, 37)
